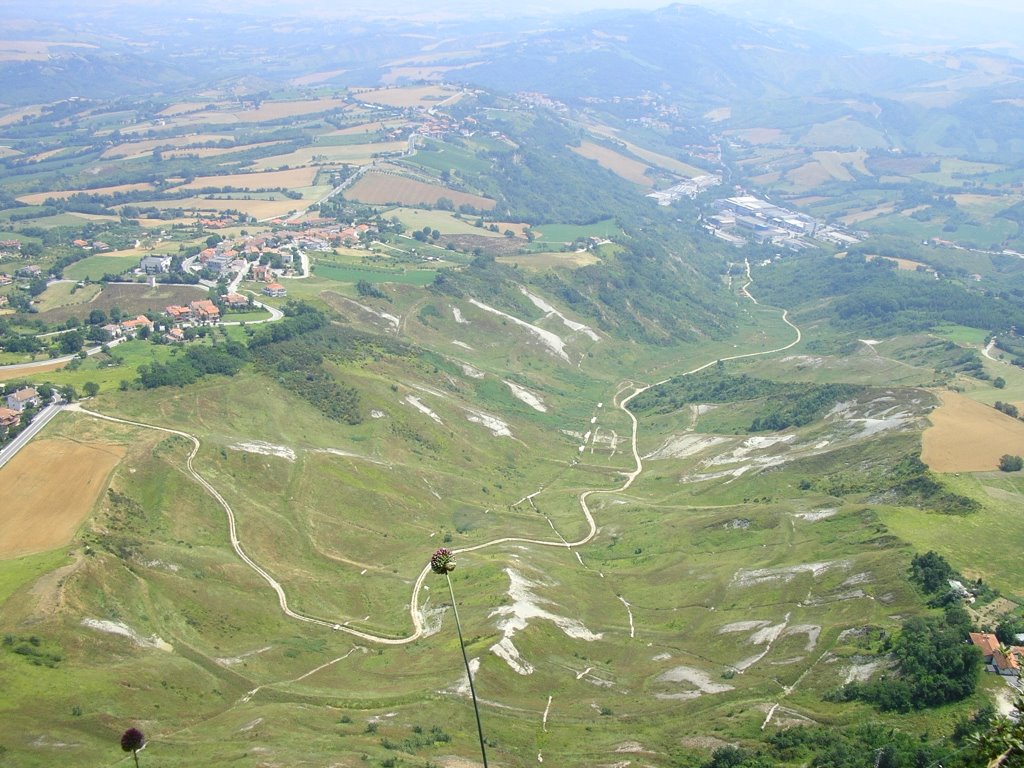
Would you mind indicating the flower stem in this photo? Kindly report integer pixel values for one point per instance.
(135, 754)
(469, 673)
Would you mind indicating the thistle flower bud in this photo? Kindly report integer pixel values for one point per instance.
(442, 561)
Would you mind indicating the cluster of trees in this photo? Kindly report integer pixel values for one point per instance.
(934, 665)
(789, 404)
(226, 359)
(1011, 463)
(1009, 409)
(875, 296)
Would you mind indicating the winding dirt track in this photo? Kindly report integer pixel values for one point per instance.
(414, 610)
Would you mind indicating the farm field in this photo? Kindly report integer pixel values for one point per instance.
(95, 267)
(58, 483)
(65, 293)
(968, 436)
(290, 179)
(381, 189)
(326, 154)
(138, 148)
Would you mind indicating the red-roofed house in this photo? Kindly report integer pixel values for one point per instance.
(260, 272)
(236, 300)
(275, 290)
(8, 418)
(204, 310)
(179, 314)
(987, 643)
(133, 326)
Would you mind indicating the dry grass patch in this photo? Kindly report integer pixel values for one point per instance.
(968, 436)
(33, 50)
(620, 165)
(838, 164)
(422, 96)
(38, 198)
(216, 151)
(809, 175)
(184, 108)
(368, 127)
(383, 189)
(57, 483)
(545, 261)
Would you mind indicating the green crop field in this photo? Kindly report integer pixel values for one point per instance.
(355, 274)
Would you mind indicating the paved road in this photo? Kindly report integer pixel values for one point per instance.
(41, 420)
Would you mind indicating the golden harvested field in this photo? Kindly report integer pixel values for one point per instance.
(968, 436)
(422, 96)
(325, 154)
(275, 110)
(381, 189)
(905, 264)
(10, 374)
(8, 151)
(135, 148)
(290, 179)
(58, 482)
(626, 167)
(261, 209)
(38, 197)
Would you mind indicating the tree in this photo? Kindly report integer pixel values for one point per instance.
(999, 382)
(91, 388)
(1008, 463)
(70, 342)
(97, 317)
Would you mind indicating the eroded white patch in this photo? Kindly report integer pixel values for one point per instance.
(743, 626)
(498, 427)
(681, 446)
(526, 605)
(700, 680)
(265, 449)
(820, 514)
(543, 306)
(473, 373)
(749, 577)
(526, 396)
(122, 629)
(462, 344)
(418, 404)
(457, 314)
(552, 341)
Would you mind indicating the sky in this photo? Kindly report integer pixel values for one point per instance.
(859, 23)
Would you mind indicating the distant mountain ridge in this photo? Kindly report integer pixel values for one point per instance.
(712, 57)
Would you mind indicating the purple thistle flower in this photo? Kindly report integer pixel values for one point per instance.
(132, 740)
(442, 561)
